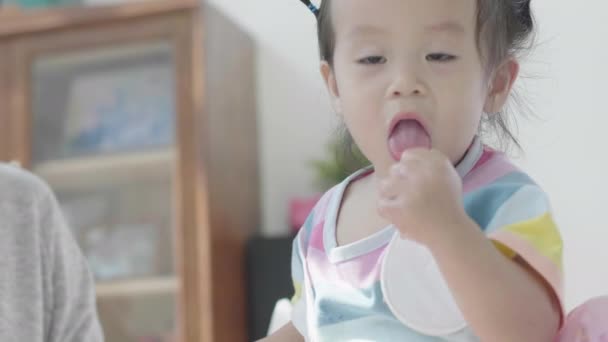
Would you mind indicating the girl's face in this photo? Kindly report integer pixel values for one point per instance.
(414, 57)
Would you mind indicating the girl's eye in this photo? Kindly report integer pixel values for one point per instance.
(372, 60)
(440, 57)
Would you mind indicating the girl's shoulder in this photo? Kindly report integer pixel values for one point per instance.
(495, 170)
(326, 208)
(317, 215)
(498, 188)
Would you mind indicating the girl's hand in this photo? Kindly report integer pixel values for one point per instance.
(422, 196)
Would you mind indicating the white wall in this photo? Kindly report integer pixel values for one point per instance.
(295, 117)
(563, 148)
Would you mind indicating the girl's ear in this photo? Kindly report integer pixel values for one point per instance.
(500, 85)
(332, 85)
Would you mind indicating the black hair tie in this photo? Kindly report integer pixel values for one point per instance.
(525, 13)
(314, 9)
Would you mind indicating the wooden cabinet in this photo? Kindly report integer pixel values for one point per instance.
(142, 119)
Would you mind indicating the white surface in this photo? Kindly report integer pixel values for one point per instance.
(281, 315)
(564, 148)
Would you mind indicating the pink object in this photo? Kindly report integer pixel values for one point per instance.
(299, 208)
(587, 323)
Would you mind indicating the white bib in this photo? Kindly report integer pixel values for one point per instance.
(418, 295)
(413, 286)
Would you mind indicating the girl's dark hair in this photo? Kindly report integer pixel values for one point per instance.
(504, 28)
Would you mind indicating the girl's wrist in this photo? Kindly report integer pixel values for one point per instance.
(450, 231)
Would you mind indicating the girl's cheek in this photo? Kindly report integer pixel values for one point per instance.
(445, 70)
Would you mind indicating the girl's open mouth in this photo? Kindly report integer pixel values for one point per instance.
(406, 134)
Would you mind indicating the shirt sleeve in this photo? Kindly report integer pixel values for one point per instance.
(70, 288)
(302, 286)
(298, 301)
(524, 226)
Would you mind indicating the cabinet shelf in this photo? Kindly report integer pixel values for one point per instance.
(139, 287)
(83, 173)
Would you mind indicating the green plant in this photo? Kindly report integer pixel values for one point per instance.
(343, 159)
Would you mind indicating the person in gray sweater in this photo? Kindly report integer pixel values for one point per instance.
(47, 293)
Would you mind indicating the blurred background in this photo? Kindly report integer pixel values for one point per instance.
(187, 140)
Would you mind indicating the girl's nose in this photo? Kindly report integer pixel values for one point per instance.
(406, 82)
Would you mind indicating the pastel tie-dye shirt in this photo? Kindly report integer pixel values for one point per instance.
(338, 295)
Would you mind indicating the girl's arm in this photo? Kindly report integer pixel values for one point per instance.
(288, 333)
(502, 299)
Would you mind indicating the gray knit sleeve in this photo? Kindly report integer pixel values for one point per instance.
(69, 287)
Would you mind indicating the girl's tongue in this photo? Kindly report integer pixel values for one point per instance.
(406, 135)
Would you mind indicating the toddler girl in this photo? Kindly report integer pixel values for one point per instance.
(416, 82)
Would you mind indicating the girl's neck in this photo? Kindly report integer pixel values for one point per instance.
(366, 185)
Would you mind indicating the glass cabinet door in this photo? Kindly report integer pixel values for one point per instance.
(103, 136)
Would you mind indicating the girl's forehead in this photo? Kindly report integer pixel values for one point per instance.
(360, 16)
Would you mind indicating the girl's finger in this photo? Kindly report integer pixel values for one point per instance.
(388, 207)
(388, 189)
(398, 170)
